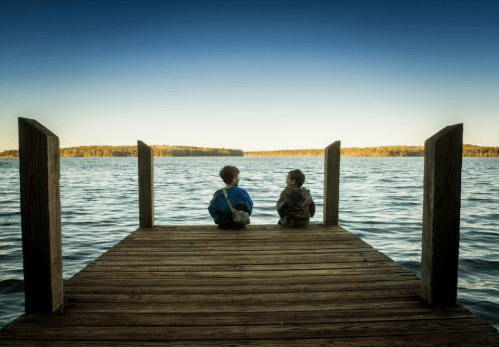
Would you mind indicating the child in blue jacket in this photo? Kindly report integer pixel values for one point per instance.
(239, 198)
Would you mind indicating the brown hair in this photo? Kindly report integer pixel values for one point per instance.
(298, 176)
(228, 173)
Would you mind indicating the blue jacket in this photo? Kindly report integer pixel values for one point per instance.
(219, 209)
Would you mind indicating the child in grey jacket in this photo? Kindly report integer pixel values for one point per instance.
(295, 205)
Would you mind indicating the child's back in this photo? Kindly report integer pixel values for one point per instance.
(239, 199)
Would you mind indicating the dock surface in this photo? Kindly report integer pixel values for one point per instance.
(260, 286)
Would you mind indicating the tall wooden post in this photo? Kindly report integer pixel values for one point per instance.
(331, 183)
(441, 208)
(146, 185)
(39, 169)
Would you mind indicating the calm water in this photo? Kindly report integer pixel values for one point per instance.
(380, 201)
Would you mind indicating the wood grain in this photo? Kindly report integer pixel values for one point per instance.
(332, 154)
(39, 169)
(441, 215)
(146, 184)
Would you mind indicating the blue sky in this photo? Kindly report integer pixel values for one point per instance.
(252, 75)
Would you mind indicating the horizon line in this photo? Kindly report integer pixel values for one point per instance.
(249, 151)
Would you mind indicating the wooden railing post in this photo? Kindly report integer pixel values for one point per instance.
(146, 185)
(331, 183)
(441, 208)
(39, 169)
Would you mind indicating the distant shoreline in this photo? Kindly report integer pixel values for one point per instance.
(131, 151)
(186, 151)
(384, 151)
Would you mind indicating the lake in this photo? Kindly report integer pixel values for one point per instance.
(380, 201)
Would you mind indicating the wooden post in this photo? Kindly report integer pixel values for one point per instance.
(39, 169)
(331, 183)
(441, 208)
(146, 185)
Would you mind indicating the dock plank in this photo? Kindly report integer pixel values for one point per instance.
(249, 332)
(155, 266)
(261, 286)
(457, 339)
(254, 318)
(221, 282)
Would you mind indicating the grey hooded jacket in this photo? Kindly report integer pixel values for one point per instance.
(295, 206)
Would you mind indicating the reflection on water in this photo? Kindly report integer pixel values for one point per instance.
(380, 201)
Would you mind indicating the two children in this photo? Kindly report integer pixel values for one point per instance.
(295, 205)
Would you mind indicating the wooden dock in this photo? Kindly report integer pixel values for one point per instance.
(261, 286)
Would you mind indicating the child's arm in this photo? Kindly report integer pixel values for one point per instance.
(312, 208)
(280, 205)
(212, 211)
(211, 208)
(249, 202)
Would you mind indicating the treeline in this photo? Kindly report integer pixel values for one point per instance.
(479, 151)
(287, 153)
(185, 151)
(391, 151)
(131, 151)
(386, 151)
(10, 153)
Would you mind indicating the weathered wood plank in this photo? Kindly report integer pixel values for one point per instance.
(196, 231)
(273, 288)
(223, 252)
(244, 297)
(254, 277)
(134, 266)
(166, 281)
(243, 307)
(432, 340)
(332, 155)
(312, 229)
(243, 270)
(241, 237)
(441, 214)
(252, 253)
(200, 230)
(226, 275)
(146, 246)
(319, 275)
(253, 318)
(146, 184)
(39, 169)
(251, 227)
(276, 331)
(249, 259)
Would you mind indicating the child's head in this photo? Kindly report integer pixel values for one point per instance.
(229, 174)
(295, 178)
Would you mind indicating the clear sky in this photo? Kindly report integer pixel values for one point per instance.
(251, 75)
